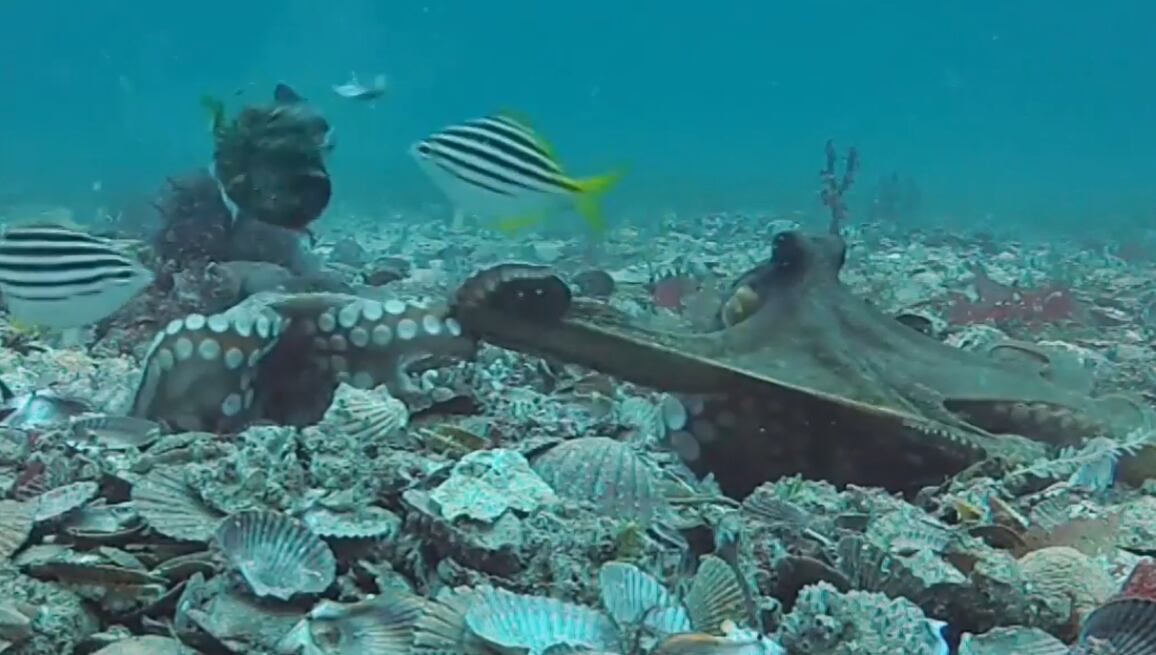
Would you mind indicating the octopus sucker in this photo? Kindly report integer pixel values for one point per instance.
(255, 360)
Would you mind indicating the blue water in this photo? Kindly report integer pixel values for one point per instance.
(1032, 112)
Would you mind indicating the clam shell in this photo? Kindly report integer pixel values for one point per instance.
(515, 622)
(632, 596)
(172, 507)
(606, 472)
(277, 555)
(16, 520)
(62, 500)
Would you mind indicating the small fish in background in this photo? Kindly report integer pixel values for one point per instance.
(355, 90)
(60, 277)
(499, 169)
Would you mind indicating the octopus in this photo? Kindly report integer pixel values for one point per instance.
(278, 357)
(803, 377)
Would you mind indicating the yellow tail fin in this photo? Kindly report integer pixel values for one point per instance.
(589, 191)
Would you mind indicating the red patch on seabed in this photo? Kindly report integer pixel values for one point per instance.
(669, 293)
(1141, 583)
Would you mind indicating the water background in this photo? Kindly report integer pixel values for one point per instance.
(1033, 113)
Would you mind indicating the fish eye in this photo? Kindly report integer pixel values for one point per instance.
(423, 149)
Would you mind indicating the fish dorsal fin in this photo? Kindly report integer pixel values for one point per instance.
(285, 93)
(215, 108)
(522, 122)
(45, 222)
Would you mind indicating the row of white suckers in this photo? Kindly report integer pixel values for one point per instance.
(172, 346)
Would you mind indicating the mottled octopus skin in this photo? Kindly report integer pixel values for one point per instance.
(260, 359)
(801, 377)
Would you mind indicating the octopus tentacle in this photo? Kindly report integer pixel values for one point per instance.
(367, 343)
(200, 370)
(278, 355)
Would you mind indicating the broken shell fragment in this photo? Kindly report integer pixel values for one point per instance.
(277, 555)
(384, 624)
(368, 523)
(62, 500)
(16, 520)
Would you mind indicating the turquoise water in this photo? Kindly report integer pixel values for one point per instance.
(1025, 112)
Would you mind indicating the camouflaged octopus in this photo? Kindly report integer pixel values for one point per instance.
(801, 376)
(279, 356)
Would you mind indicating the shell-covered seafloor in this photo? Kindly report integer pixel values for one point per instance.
(456, 454)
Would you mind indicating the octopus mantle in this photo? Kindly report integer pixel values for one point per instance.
(802, 377)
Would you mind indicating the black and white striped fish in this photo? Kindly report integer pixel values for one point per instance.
(59, 277)
(498, 168)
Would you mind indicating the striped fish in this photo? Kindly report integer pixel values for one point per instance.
(498, 169)
(58, 277)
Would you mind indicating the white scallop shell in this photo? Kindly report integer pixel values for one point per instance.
(277, 555)
(516, 622)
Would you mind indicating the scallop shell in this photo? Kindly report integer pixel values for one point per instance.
(383, 624)
(870, 568)
(62, 500)
(16, 520)
(644, 417)
(1016, 640)
(276, 554)
(366, 415)
(633, 597)
(366, 523)
(1129, 625)
(514, 622)
(715, 597)
(172, 507)
(775, 511)
(606, 472)
(442, 627)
